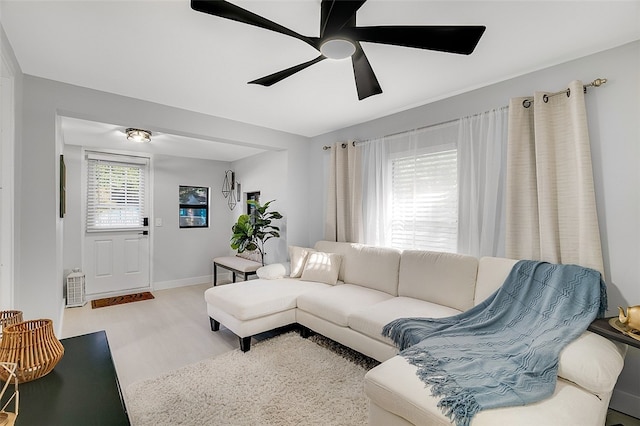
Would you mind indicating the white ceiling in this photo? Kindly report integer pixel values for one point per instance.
(164, 52)
(105, 136)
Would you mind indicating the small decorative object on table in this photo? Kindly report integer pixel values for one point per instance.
(8, 318)
(629, 323)
(33, 346)
(8, 418)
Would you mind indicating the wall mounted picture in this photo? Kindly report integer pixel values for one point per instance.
(193, 206)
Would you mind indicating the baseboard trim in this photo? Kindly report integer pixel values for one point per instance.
(626, 403)
(184, 282)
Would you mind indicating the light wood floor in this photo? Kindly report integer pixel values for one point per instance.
(152, 337)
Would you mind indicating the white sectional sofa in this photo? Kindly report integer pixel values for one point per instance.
(348, 292)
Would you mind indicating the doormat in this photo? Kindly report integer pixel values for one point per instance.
(119, 300)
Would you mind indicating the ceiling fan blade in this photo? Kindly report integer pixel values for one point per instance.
(451, 39)
(334, 14)
(226, 10)
(366, 81)
(281, 75)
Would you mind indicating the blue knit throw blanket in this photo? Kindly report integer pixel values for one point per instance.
(504, 351)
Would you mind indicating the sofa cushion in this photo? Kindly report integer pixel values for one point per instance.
(367, 266)
(337, 303)
(335, 247)
(447, 279)
(257, 298)
(371, 319)
(492, 271)
(395, 387)
(298, 258)
(322, 267)
(593, 362)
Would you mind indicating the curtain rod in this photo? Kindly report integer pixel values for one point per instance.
(595, 83)
(442, 123)
(344, 145)
(526, 103)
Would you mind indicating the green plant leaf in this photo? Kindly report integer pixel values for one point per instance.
(250, 232)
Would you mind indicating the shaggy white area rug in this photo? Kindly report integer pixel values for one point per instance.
(285, 380)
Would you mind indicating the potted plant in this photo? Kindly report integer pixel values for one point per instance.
(250, 232)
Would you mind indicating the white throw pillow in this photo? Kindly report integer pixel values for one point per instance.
(591, 361)
(298, 257)
(322, 267)
(271, 272)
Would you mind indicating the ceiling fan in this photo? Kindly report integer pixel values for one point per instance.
(340, 38)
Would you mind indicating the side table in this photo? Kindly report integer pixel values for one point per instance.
(235, 264)
(601, 326)
(82, 389)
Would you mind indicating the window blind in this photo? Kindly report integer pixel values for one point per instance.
(425, 201)
(115, 195)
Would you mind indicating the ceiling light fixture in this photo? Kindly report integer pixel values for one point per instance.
(138, 135)
(338, 48)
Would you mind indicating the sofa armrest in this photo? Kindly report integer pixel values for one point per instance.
(592, 362)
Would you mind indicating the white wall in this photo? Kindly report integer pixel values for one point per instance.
(268, 173)
(73, 232)
(183, 256)
(614, 125)
(39, 292)
(12, 129)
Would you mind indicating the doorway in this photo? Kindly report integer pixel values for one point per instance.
(116, 242)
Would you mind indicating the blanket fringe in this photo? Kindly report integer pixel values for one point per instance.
(406, 332)
(457, 404)
(460, 408)
(400, 336)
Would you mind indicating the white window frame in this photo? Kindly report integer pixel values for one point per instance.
(137, 223)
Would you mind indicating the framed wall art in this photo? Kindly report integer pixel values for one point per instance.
(193, 206)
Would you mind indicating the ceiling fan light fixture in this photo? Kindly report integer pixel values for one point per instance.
(340, 37)
(138, 135)
(338, 48)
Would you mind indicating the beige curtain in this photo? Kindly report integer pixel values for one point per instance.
(551, 207)
(344, 194)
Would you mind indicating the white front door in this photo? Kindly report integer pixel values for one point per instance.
(116, 262)
(116, 246)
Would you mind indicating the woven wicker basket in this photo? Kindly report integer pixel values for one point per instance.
(7, 417)
(33, 346)
(8, 318)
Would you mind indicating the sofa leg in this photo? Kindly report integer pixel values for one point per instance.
(305, 332)
(215, 325)
(245, 344)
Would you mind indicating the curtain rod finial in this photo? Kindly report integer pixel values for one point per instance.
(599, 82)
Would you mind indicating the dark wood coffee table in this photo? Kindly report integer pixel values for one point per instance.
(82, 389)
